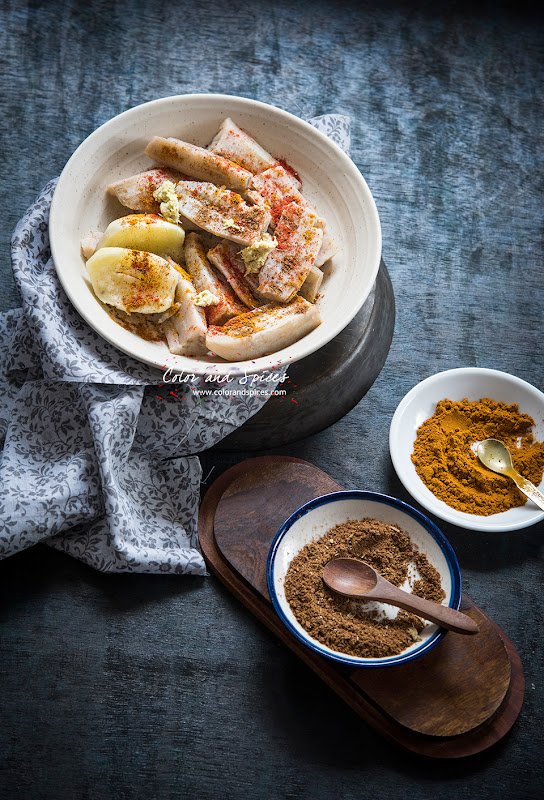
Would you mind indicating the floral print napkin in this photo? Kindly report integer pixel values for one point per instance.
(99, 454)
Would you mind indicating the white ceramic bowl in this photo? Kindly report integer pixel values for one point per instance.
(116, 150)
(420, 404)
(314, 519)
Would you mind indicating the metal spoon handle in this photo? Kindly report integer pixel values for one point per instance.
(528, 488)
(444, 616)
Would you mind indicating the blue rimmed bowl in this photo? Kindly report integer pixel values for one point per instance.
(312, 520)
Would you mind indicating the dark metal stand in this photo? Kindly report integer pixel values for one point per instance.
(324, 386)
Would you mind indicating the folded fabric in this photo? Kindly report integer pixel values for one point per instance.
(98, 451)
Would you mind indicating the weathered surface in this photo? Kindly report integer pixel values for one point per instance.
(150, 687)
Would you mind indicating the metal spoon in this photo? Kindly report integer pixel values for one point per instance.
(354, 578)
(496, 456)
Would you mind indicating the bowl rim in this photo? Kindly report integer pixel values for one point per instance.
(185, 364)
(430, 527)
(459, 518)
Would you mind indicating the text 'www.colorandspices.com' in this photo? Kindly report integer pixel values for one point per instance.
(226, 391)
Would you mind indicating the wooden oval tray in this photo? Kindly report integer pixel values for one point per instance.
(457, 700)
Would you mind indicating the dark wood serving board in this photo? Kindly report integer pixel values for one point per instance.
(457, 700)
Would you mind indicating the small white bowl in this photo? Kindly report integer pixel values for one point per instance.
(116, 150)
(419, 404)
(312, 520)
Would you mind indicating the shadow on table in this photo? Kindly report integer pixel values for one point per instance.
(318, 727)
(41, 571)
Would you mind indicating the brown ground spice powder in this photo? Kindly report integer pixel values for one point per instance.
(346, 625)
(445, 462)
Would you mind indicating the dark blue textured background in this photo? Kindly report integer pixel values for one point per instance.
(149, 687)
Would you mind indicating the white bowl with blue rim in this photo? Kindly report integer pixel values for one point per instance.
(312, 520)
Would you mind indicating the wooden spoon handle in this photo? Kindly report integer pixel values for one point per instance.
(444, 616)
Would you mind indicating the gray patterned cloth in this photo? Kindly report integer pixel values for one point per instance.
(98, 453)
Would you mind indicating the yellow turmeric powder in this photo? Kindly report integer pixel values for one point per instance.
(445, 454)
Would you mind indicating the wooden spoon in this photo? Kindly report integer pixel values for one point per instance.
(354, 578)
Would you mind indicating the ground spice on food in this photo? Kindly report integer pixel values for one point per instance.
(140, 324)
(349, 626)
(446, 461)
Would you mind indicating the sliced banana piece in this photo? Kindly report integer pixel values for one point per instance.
(264, 330)
(278, 187)
(287, 267)
(256, 199)
(89, 243)
(311, 285)
(275, 188)
(145, 232)
(186, 330)
(205, 279)
(222, 212)
(137, 191)
(132, 280)
(198, 163)
(329, 248)
(285, 178)
(237, 145)
(226, 257)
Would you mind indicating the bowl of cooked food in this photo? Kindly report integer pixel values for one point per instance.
(212, 234)
(397, 541)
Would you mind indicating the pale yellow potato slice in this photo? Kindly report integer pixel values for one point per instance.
(132, 280)
(147, 232)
